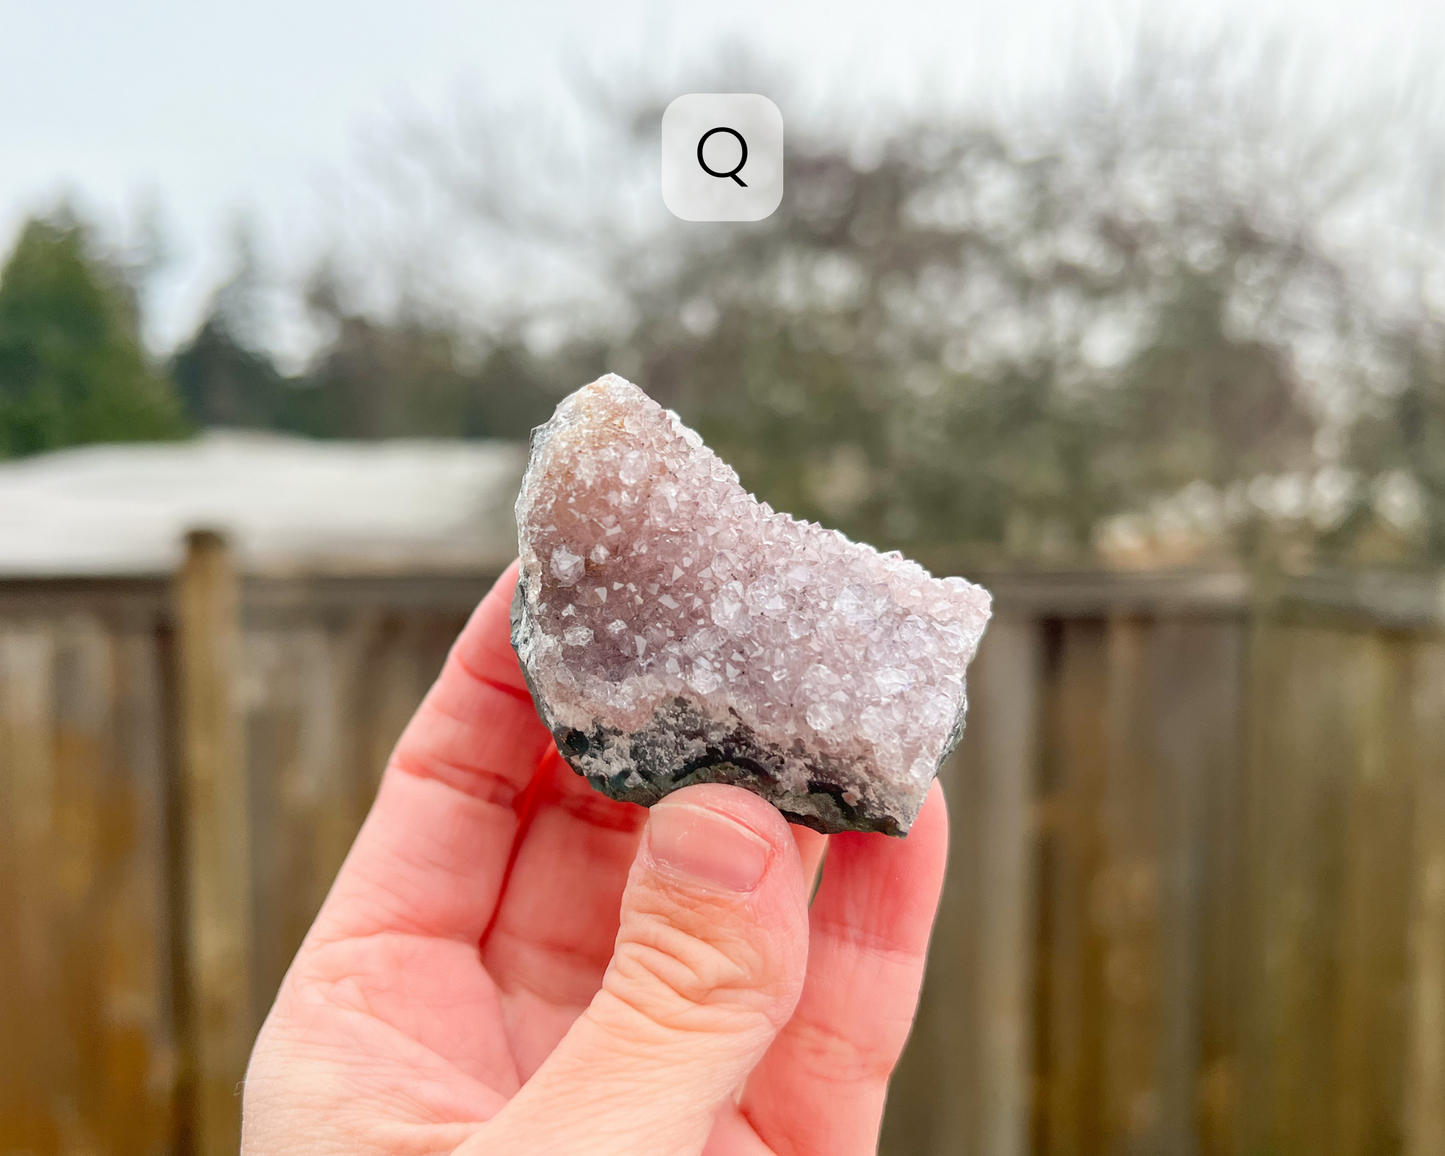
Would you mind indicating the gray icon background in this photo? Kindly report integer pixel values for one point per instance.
(694, 195)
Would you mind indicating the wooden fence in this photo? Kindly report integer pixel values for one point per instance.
(1196, 900)
(183, 765)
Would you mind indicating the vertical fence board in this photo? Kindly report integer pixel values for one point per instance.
(1069, 1020)
(1425, 1050)
(85, 834)
(406, 659)
(1308, 693)
(139, 922)
(1197, 739)
(1122, 904)
(930, 1104)
(1372, 942)
(302, 766)
(89, 1059)
(963, 1086)
(37, 1077)
(1006, 761)
(327, 695)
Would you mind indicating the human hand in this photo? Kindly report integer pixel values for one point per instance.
(510, 963)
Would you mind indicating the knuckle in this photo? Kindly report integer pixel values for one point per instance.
(681, 980)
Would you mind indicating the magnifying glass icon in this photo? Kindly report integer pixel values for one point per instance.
(732, 172)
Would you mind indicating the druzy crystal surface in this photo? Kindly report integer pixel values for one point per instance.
(675, 630)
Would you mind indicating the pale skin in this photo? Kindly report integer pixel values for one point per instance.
(510, 963)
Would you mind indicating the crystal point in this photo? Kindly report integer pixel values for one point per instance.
(757, 650)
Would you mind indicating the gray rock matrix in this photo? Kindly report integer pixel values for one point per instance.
(675, 630)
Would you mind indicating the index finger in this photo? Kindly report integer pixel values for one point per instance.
(433, 853)
(820, 1089)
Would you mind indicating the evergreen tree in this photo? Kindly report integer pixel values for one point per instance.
(223, 374)
(224, 382)
(72, 369)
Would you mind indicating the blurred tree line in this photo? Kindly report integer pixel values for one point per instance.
(72, 368)
(1134, 327)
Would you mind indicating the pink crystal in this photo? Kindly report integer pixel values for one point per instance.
(673, 629)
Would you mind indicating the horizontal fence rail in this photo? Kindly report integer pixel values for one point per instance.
(1196, 896)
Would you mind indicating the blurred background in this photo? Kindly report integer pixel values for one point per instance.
(1134, 312)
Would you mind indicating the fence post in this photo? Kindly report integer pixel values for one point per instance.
(216, 853)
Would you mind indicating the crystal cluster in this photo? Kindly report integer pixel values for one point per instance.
(675, 630)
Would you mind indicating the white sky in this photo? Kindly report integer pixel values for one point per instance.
(215, 109)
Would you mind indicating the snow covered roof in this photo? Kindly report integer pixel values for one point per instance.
(288, 504)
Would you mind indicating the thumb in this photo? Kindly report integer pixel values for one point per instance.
(708, 967)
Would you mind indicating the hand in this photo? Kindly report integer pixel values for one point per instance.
(510, 963)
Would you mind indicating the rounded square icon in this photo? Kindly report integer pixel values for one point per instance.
(722, 157)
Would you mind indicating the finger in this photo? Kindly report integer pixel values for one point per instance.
(821, 1087)
(432, 854)
(557, 922)
(556, 925)
(708, 965)
(555, 928)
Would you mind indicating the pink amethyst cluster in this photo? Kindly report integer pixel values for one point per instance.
(675, 630)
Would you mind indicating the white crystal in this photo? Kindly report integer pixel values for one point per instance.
(567, 567)
(823, 717)
(704, 679)
(893, 681)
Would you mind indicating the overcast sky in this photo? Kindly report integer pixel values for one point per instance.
(217, 109)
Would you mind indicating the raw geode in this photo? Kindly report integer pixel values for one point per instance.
(675, 630)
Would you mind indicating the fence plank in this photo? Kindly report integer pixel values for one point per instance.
(1196, 669)
(141, 932)
(1372, 941)
(1310, 686)
(404, 663)
(222, 1019)
(1123, 905)
(37, 1078)
(1424, 1113)
(1007, 754)
(84, 839)
(963, 1086)
(89, 1060)
(301, 767)
(326, 698)
(1069, 1019)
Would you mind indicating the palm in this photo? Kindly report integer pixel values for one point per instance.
(407, 1037)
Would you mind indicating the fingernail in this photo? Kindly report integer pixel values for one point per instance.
(706, 847)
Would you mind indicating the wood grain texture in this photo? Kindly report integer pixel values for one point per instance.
(325, 697)
(1197, 727)
(1005, 760)
(1424, 1107)
(1373, 936)
(963, 1085)
(1124, 903)
(89, 1059)
(1316, 695)
(1069, 1018)
(223, 1016)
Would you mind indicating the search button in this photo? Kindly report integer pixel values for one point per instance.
(737, 168)
(722, 156)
